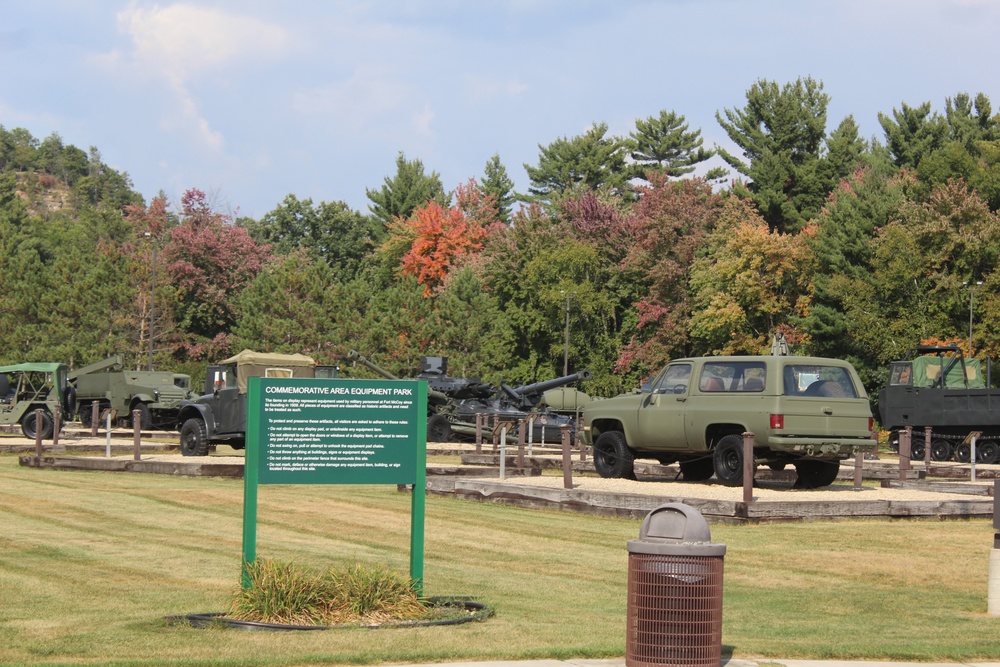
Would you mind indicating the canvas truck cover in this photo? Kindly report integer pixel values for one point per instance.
(262, 364)
(927, 369)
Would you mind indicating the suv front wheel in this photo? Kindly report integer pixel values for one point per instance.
(612, 457)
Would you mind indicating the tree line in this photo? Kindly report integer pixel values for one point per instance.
(850, 247)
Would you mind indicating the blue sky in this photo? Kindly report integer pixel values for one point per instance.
(251, 100)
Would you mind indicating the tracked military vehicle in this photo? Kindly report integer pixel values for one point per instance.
(938, 387)
(156, 395)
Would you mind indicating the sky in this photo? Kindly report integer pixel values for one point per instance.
(252, 100)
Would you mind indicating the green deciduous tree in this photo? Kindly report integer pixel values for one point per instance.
(332, 231)
(750, 284)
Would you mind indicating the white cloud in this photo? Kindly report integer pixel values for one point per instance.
(184, 39)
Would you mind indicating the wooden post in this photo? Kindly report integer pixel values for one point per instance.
(905, 438)
(136, 426)
(38, 436)
(496, 434)
(95, 416)
(927, 447)
(56, 425)
(520, 443)
(859, 459)
(567, 460)
(748, 467)
(479, 433)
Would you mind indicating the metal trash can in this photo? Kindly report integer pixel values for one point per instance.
(674, 591)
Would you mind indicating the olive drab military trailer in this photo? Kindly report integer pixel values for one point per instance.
(156, 395)
(941, 389)
(219, 416)
(27, 389)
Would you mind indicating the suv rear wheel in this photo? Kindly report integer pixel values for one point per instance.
(612, 457)
(727, 458)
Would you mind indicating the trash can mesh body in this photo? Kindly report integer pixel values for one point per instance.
(674, 611)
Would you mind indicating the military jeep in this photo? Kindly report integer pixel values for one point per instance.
(808, 412)
(28, 388)
(219, 416)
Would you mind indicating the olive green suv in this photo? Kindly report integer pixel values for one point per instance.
(808, 412)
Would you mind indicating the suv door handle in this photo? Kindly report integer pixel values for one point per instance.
(827, 411)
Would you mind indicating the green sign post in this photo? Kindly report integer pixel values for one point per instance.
(329, 431)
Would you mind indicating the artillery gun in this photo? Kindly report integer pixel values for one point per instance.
(554, 393)
(441, 420)
(453, 403)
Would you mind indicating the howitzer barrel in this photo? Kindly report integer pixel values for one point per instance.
(353, 355)
(545, 385)
(433, 395)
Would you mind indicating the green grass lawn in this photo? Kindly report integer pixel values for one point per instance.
(91, 563)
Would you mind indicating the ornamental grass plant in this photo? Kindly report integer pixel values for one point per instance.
(288, 593)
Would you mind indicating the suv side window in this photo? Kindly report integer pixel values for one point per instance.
(828, 381)
(733, 376)
(673, 380)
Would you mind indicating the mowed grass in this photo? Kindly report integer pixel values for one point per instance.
(91, 563)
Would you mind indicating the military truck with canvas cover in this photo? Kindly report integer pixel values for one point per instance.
(35, 387)
(220, 415)
(157, 395)
(808, 412)
(938, 387)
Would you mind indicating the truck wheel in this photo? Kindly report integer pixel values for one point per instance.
(697, 470)
(987, 451)
(438, 429)
(940, 450)
(727, 459)
(962, 452)
(612, 457)
(145, 416)
(814, 474)
(28, 425)
(194, 440)
(85, 414)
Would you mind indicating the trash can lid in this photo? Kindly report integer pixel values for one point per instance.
(675, 529)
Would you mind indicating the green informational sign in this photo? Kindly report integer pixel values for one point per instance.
(332, 431)
(337, 431)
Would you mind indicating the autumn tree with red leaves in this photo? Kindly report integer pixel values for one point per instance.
(210, 261)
